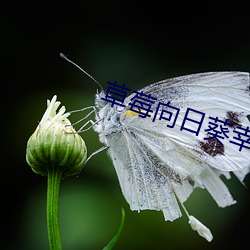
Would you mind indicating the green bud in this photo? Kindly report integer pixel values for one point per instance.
(55, 144)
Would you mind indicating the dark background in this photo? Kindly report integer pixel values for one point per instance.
(133, 43)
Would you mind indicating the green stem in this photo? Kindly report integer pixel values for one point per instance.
(54, 177)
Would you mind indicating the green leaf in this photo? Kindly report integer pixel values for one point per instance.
(248, 117)
(117, 234)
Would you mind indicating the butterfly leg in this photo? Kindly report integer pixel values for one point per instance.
(81, 129)
(96, 152)
(92, 154)
(86, 116)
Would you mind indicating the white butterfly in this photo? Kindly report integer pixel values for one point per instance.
(158, 164)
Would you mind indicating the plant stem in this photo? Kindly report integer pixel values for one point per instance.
(117, 234)
(54, 177)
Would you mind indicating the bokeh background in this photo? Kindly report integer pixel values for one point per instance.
(133, 43)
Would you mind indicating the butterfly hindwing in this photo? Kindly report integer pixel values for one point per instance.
(142, 183)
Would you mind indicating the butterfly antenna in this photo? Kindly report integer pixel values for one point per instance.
(68, 60)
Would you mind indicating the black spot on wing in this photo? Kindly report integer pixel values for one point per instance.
(212, 147)
(233, 118)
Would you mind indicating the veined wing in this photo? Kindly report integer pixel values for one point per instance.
(141, 183)
(222, 95)
(152, 169)
(204, 91)
(207, 92)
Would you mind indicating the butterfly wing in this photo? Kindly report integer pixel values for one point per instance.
(143, 186)
(207, 90)
(225, 95)
(156, 163)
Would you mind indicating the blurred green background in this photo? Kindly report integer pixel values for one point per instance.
(133, 43)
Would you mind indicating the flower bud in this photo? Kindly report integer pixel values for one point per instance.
(55, 144)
